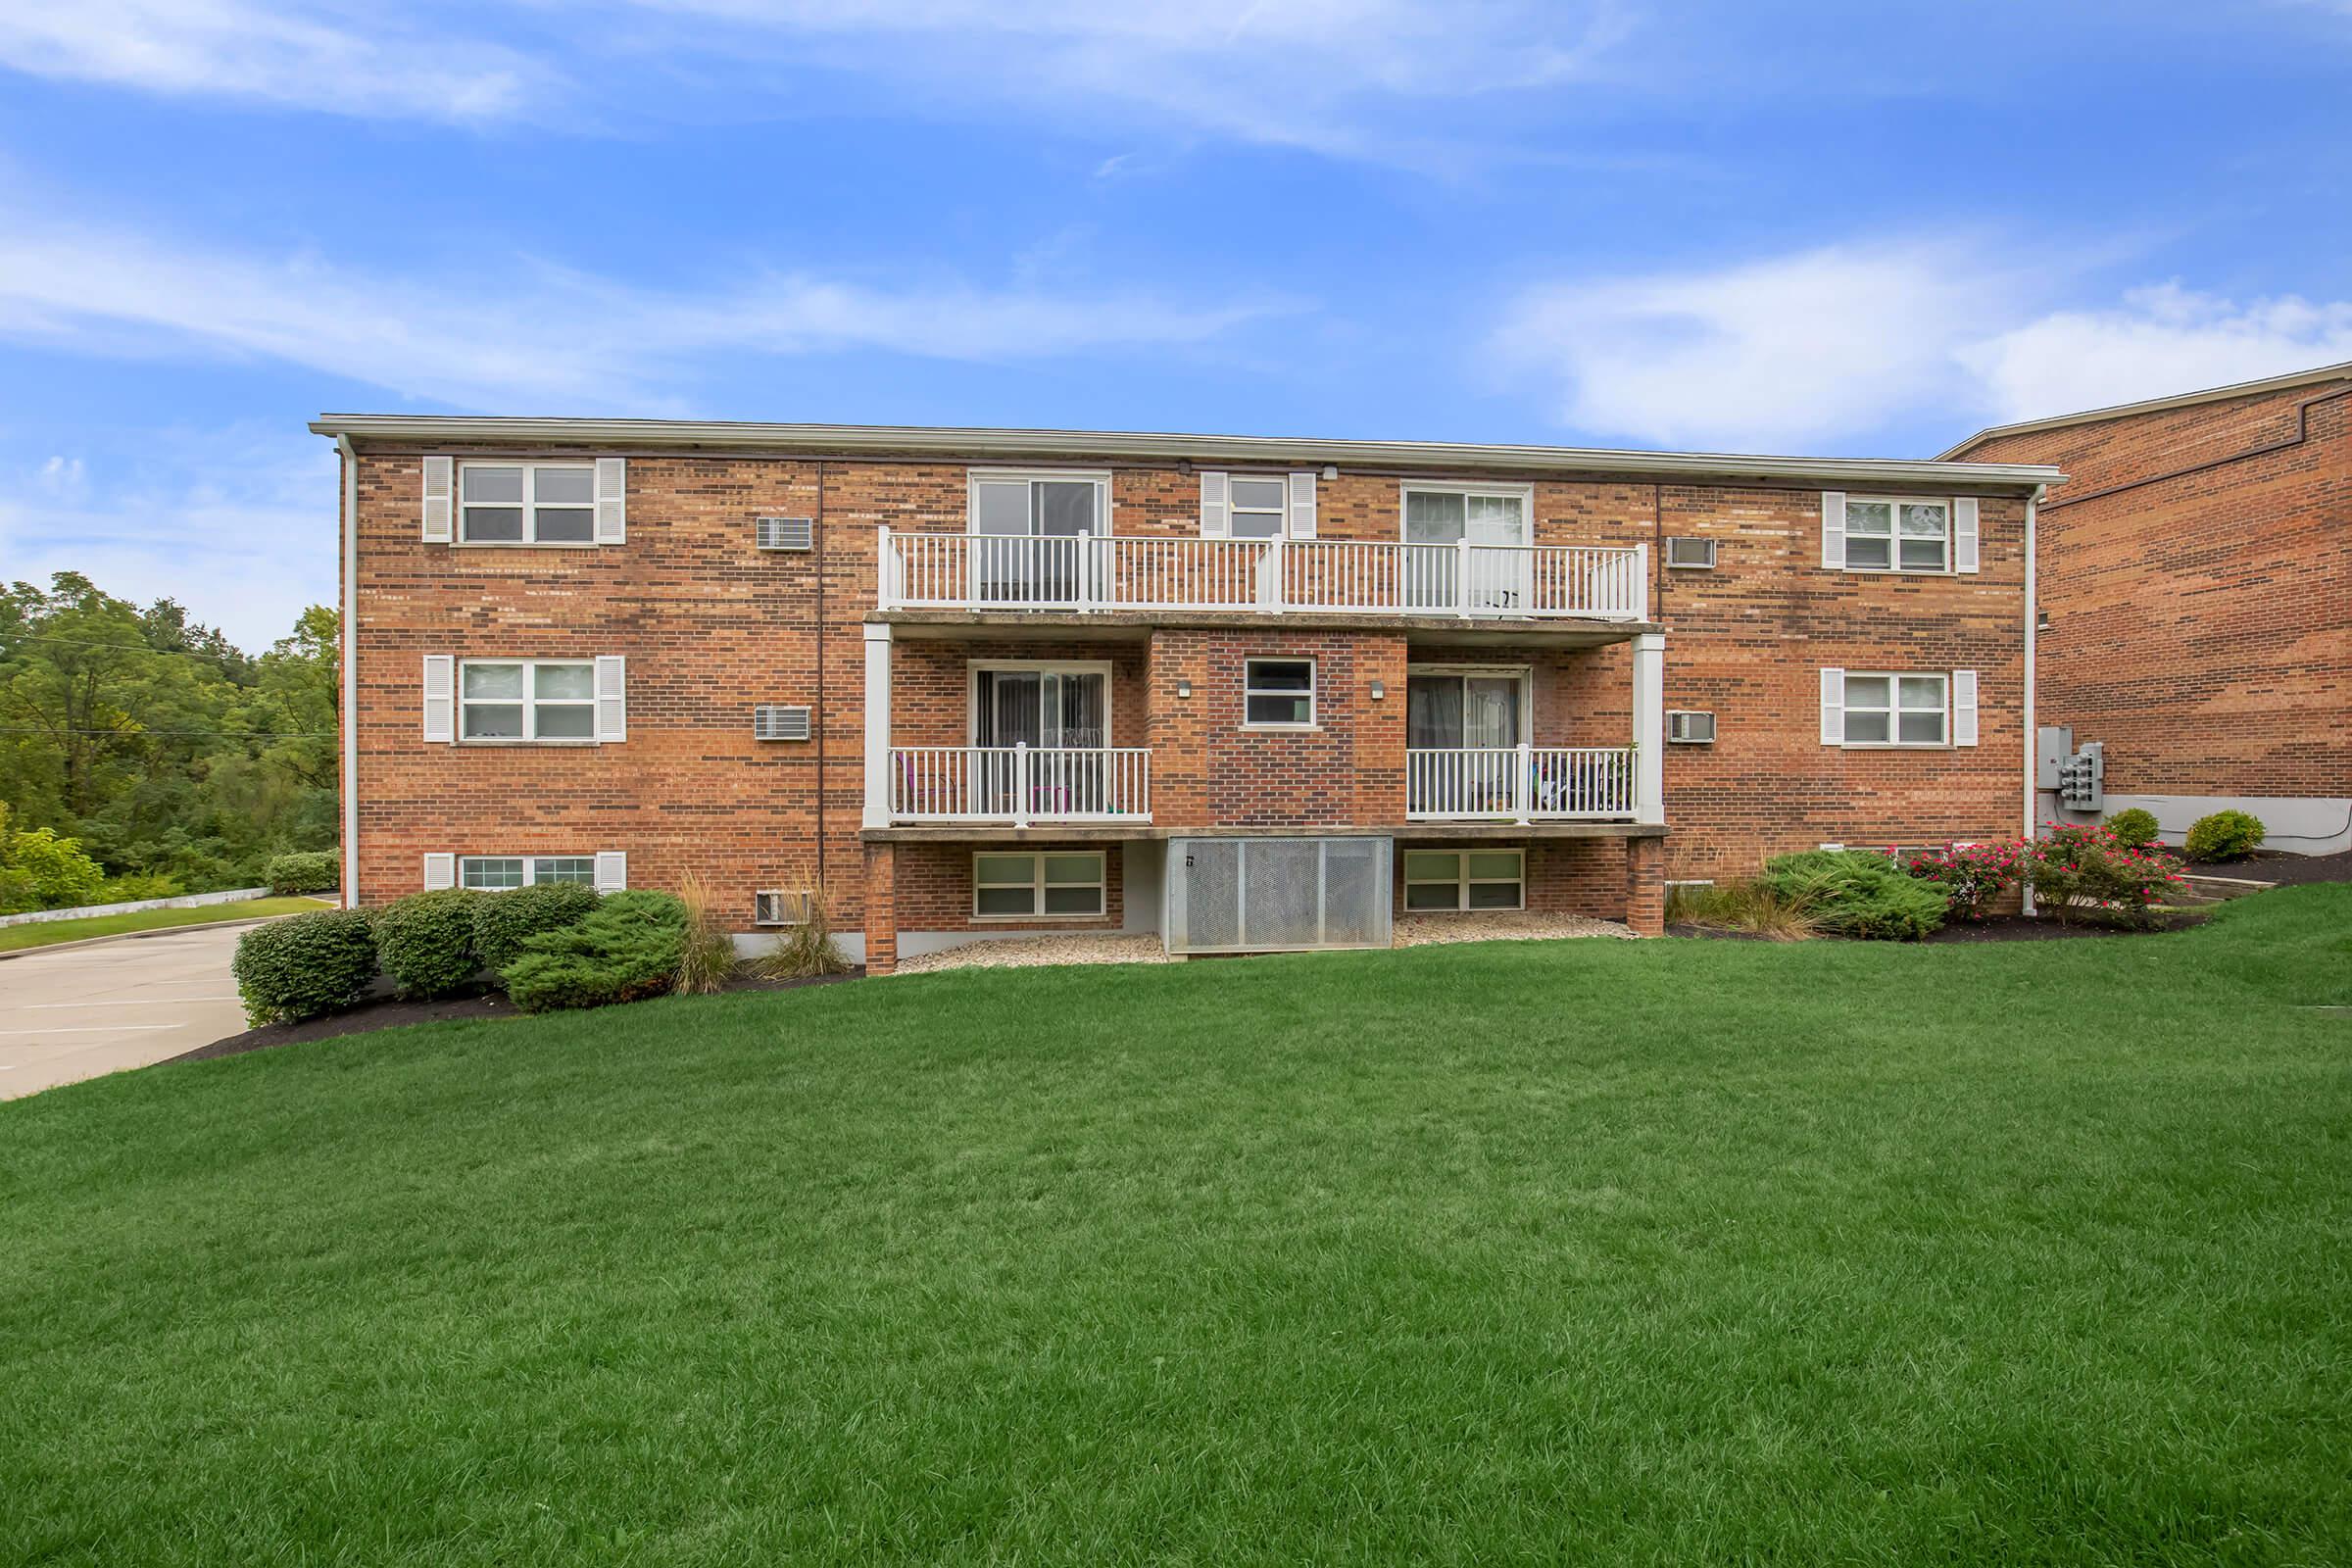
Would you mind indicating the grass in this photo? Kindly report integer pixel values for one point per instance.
(1665, 1252)
(43, 933)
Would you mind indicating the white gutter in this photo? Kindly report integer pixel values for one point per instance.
(347, 637)
(2032, 744)
(443, 432)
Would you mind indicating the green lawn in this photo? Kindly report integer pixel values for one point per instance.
(42, 933)
(1598, 1251)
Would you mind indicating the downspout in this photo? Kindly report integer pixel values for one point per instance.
(347, 716)
(2033, 745)
(819, 531)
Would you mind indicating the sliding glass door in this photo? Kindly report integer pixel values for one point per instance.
(1046, 709)
(1029, 537)
(1460, 731)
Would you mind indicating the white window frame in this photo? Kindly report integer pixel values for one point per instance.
(1038, 884)
(1280, 511)
(1896, 710)
(973, 478)
(1462, 880)
(1524, 674)
(1894, 536)
(1524, 494)
(1313, 680)
(530, 703)
(530, 870)
(1051, 666)
(531, 504)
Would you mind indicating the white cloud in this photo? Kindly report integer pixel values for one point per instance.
(2159, 341)
(238, 525)
(539, 336)
(371, 64)
(1823, 347)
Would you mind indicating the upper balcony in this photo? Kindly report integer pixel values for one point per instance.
(1184, 574)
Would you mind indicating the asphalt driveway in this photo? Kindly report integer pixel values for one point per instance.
(74, 1012)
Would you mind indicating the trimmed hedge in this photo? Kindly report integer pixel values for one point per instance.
(503, 921)
(305, 871)
(426, 941)
(305, 965)
(2134, 827)
(2224, 836)
(626, 948)
(1856, 893)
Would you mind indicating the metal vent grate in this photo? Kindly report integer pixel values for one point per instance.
(1690, 728)
(772, 722)
(782, 905)
(787, 534)
(1691, 555)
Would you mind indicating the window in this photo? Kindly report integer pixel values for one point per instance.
(1465, 879)
(1894, 710)
(1440, 515)
(1037, 503)
(496, 873)
(531, 701)
(1279, 692)
(1257, 506)
(1897, 535)
(1038, 887)
(527, 503)
(1454, 709)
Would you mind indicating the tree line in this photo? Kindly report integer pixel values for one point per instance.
(151, 747)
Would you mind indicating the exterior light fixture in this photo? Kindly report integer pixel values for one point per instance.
(1380, 689)
(1184, 688)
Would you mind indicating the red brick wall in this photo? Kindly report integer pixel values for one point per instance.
(710, 626)
(2201, 625)
(935, 888)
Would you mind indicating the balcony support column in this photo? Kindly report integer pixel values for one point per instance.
(1649, 727)
(877, 725)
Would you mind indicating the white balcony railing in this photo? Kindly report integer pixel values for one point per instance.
(1020, 784)
(1082, 573)
(1519, 783)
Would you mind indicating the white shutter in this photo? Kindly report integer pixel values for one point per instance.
(611, 500)
(612, 698)
(1964, 534)
(1832, 707)
(1964, 707)
(1303, 504)
(440, 871)
(440, 696)
(612, 871)
(1832, 529)
(1216, 512)
(440, 479)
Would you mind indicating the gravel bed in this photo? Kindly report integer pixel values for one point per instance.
(1420, 930)
(1025, 953)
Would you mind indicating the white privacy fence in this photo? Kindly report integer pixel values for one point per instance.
(1070, 572)
(1519, 783)
(1020, 784)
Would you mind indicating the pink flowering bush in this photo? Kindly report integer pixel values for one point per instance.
(2092, 871)
(1971, 876)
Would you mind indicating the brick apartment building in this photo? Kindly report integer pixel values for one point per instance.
(1249, 693)
(2195, 572)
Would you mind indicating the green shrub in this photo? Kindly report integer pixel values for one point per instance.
(426, 941)
(1856, 893)
(627, 947)
(16, 892)
(503, 921)
(305, 965)
(1969, 877)
(305, 871)
(2134, 827)
(2224, 836)
(2080, 872)
(135, 889)
(59, 873)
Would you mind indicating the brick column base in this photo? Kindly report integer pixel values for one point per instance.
(1646, 886)
(881, 909)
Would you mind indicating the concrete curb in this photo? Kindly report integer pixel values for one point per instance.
(141, 936)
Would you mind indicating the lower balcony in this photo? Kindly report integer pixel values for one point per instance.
(1020, 785)
(1520, 784)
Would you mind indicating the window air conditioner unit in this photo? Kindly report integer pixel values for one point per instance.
(1691, 555)
(1690, 729)
(770, 722)
(787, 534)
(782, 907)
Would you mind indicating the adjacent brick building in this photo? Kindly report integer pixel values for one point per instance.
(1248, 693)
(2197, 583)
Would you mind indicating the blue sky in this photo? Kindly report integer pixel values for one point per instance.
(1852, 228)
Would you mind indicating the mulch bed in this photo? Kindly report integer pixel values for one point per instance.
(381, 1009)
(2272, 866)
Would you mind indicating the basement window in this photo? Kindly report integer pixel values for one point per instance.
(1062, 886)
(497, 873)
